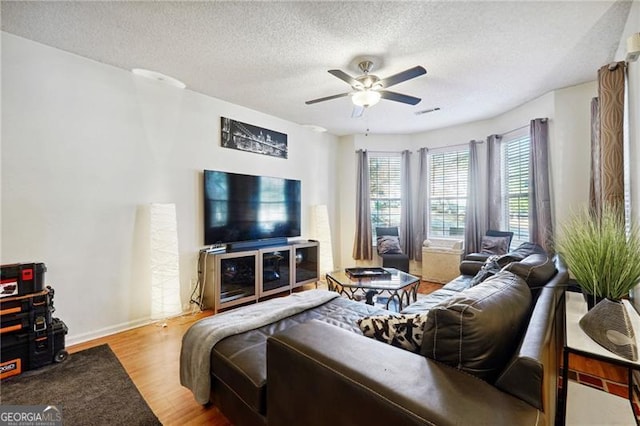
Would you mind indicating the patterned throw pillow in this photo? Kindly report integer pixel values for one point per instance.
(403, 331)
(388, 244)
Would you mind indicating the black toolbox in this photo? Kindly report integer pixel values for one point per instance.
(29, 335)
(18, 279)
(31, 312)
(22, 351)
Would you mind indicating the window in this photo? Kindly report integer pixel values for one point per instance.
(385, 191)
(448, 172)
(516, 152)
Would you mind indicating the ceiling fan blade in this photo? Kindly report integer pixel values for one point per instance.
(326, 98)
(402, 76)
(357, 111)
(345, 77)
(399, 97)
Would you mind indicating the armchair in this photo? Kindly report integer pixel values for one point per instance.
(492, 246)
(389, 249)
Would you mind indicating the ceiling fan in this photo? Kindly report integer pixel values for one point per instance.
(368, 89)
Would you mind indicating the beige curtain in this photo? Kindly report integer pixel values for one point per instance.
(362, 248)
(607, 177)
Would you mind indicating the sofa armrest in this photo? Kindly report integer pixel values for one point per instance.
(319, 374)
(477, 257)
(470, 267)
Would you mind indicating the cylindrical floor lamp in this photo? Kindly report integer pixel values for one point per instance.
(321, 232)
(165, 271)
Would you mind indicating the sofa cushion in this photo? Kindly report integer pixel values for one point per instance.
(403, 331)
(535, 269)
(426, 302)
(459, 283)
(478, 329)
(389, 244)
(526, 249)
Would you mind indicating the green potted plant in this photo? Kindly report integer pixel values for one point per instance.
(604, 258)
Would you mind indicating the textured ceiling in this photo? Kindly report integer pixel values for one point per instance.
(482, 58)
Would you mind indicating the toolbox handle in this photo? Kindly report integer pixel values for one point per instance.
(41, 322)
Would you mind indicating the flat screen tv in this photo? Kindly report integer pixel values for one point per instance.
(239, 208)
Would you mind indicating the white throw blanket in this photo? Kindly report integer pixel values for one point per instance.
(199, 340)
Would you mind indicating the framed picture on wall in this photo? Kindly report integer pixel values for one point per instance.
(247, 137)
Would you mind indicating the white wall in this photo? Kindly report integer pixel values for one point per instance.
(86, 147)
(570, 150)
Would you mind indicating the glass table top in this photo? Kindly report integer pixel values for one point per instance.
(394, 281)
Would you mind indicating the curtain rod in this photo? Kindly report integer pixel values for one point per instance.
(383, 152)
(458, 145)
(545, 119)
(514, 130)
(445, 147)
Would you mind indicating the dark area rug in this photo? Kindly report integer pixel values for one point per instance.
(91, 386)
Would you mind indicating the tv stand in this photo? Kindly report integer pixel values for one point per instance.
(246, 275)
(254, 244)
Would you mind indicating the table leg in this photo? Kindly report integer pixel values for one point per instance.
(331, 283)
(397, 296)
(630, 383)
(407, 293)
(369, 297)
(562, 409)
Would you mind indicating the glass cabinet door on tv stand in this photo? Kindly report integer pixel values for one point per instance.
(307, 263)
(235, 280)
(276, 270)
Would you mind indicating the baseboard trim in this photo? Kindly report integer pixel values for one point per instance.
(74, 339)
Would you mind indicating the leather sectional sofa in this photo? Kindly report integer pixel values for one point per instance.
(322, 370)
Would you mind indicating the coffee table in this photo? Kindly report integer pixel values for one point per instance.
(398, 285)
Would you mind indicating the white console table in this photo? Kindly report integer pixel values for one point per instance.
(582, 405)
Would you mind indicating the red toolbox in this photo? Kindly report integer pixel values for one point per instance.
(31, 312)
(17, 279)
(22, 351)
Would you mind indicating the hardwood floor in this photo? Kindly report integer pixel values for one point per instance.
(151, 356)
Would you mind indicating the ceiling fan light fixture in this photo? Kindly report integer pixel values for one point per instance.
(366, 98)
